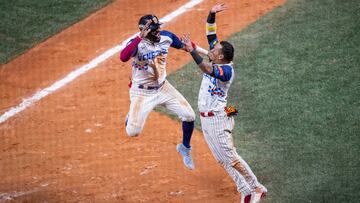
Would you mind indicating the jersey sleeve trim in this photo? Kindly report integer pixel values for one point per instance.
(175, 41)
(222, 72)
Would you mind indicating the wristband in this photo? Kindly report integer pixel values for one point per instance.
(197, 58)
(211, 18)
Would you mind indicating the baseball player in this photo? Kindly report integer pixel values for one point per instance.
(149, 86)
(217, 120)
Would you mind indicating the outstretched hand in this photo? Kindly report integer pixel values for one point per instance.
(218, 8)
(146, 30)
(187, 43)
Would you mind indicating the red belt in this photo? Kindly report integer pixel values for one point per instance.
(207, 114)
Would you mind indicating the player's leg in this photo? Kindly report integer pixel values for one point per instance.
(228, 151)
(231, 157)
(141, 104)
(173, 100)
(259, 191)
(221, 143)
(242, 186)
(245, 170)
(207, 125)
(176, 103)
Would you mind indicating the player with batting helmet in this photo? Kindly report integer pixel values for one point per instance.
(149, 87)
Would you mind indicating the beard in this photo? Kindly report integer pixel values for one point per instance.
(153, 36)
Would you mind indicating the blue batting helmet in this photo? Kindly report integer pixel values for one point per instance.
(154, 25)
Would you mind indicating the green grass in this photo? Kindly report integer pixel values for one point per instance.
(25, 23)
(298, 88)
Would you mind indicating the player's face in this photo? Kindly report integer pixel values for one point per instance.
(215, 54)
(155, 35)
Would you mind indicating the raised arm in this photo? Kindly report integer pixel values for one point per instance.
(222, 72)
(131, 47)
(211, 25)
(206, 67)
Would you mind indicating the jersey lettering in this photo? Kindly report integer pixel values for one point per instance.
(151, 55)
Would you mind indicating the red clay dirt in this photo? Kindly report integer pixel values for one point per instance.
(72, 147)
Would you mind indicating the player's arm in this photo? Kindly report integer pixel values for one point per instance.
(131, 48)
(211, 25)
(178, 44)
(206, 67)
(175, 41)
(221, 72)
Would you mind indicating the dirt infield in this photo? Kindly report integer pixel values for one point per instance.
(71, 146)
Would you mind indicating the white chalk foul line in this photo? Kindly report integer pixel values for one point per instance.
(85, 68)
(15, 194)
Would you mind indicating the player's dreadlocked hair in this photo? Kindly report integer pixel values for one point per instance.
(227, 50)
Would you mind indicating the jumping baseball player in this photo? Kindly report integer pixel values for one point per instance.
(217, 120)
(149, 86)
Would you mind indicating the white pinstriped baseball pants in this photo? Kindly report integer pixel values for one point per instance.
(143, 101)
(217, 132)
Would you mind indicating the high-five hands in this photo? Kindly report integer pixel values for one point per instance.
(188, 46)
(218, 8)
